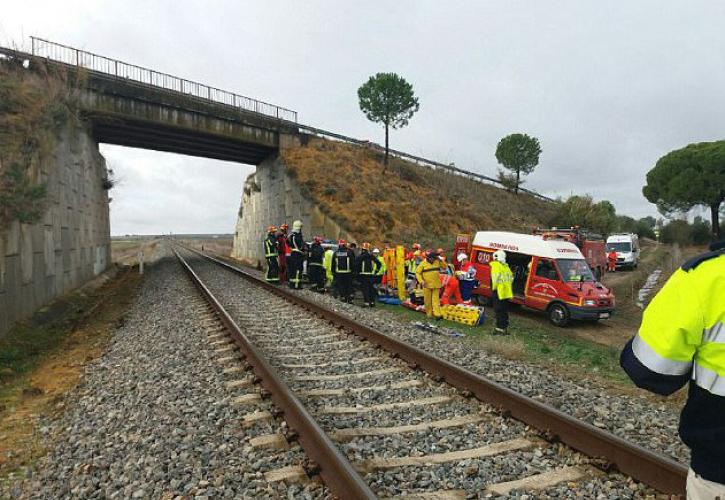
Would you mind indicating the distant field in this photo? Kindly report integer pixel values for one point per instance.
(124, 251)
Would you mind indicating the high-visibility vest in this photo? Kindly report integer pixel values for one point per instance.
(381, 267)
(327, 263)
(502, 280)
(681, 339)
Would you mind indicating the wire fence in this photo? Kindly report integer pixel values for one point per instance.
(122, 70)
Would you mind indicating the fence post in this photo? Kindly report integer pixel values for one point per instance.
(77, 58)
(32, 45)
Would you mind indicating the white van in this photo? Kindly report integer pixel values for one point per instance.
(627, 247)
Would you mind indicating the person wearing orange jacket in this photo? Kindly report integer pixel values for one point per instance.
(450, 287)
(611, 261)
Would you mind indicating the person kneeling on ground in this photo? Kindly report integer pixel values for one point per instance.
(501, 285)
(428, 276)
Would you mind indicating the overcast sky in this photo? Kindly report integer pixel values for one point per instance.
(607, 87)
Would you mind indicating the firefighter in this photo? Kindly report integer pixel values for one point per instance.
(413, 263)
(283, 251)
(271, 255)
(501, 288)
(366, 267)
(612, 261)
(316, 265)
(342, 267)
(682, 340)
(466, 277)
(296, 259)
(327, 264)
(451, 288)
(427, 274)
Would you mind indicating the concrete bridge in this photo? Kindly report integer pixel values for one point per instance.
(137, 107)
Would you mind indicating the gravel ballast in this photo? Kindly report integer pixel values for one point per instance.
(256, 310)
(154, 418)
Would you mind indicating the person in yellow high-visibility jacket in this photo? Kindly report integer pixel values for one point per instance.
(327, 264)
(427, 274)
(502, 291)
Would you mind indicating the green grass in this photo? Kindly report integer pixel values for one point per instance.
(528, 341)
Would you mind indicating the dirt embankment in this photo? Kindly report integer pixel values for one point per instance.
(404, 202)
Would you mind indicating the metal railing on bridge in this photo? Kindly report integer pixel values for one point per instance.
(122, 70)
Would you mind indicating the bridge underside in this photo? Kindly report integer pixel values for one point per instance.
(192, 142)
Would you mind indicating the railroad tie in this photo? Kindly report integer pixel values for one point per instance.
(247, 399)
(334, 363)
(239, 383)
(270, 441)
(333, 410)
(433, 495)
(538, 481)
(343, 376)
(406, 384)
(290, 474)
(251, 419)
(374, 464)
(353, 432)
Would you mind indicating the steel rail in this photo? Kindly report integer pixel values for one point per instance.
(336, 471)
(657, 471)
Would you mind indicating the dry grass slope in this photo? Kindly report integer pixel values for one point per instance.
(408, 202)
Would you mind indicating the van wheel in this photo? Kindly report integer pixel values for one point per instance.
(558, 314)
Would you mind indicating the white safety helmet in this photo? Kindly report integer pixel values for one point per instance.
(500, 256)
(462, 256)
(376, 251)
(297, 226)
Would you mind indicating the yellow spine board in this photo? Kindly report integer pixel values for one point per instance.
(400, 271)
(389, 258)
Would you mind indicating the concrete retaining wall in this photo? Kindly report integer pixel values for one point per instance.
(270, 198)
(70, 245)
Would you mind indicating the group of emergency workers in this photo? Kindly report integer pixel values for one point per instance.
(339, 267)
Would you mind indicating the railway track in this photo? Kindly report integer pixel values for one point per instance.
(378, 417)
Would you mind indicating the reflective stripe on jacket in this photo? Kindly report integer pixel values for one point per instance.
(270, 246)
(427, 273)
(681, 339)
(502, 280)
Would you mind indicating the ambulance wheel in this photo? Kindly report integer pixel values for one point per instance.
(558, 314)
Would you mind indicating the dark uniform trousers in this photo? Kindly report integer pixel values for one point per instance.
(368, 290)
(272, 269)
(501, 308)
(294, 269)
(316, 274)
(344, 286)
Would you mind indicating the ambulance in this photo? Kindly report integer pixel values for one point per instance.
(549, 275)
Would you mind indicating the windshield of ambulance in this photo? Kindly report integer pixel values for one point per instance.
(574, 270)
(621, 247)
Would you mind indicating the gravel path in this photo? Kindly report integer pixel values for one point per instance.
(317, 350)
(154, 417)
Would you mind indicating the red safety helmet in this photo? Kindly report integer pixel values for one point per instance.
(341, 242)
(366, 246)
(283, 227)
(317, 239)
(416, 246)
(271, 229)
